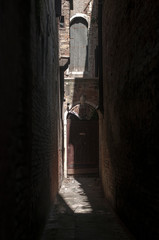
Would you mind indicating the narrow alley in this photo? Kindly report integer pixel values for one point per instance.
(79, 96)
(81, 213)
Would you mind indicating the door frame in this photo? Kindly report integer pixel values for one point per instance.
(65, 134)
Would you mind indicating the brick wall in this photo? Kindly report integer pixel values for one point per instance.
(92, 37)
(129, 142)
(82, 7)
(90, 9)
(64, 30)
(75, 88)
(28, 124)
(45, 110)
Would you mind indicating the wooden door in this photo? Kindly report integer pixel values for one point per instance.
(82, 146)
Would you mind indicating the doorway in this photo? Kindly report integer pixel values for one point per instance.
(82, 141)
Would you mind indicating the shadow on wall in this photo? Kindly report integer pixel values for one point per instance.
(131, 118)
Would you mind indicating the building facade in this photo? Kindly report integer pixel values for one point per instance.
(78, 41)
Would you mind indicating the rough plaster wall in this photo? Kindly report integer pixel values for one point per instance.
(28, 123)
(130, 125)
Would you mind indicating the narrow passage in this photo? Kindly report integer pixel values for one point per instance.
(81, 213)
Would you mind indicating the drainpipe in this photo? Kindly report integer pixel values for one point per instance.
(63, 62)
(100, 58)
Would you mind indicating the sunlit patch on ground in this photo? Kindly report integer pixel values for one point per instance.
(81, 213)
(75, 197)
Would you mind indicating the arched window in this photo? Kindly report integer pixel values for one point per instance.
(78, 44)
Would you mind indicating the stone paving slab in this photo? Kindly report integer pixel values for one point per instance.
(81, 213)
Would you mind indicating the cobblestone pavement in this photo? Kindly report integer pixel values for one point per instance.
(81, 213)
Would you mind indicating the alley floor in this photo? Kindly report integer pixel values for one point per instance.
(81, 213)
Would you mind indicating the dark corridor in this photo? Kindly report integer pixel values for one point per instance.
(125, 35)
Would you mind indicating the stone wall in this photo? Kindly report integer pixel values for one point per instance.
(129, 141)
(28, 124)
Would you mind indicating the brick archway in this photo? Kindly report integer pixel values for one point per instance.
(84, 112)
